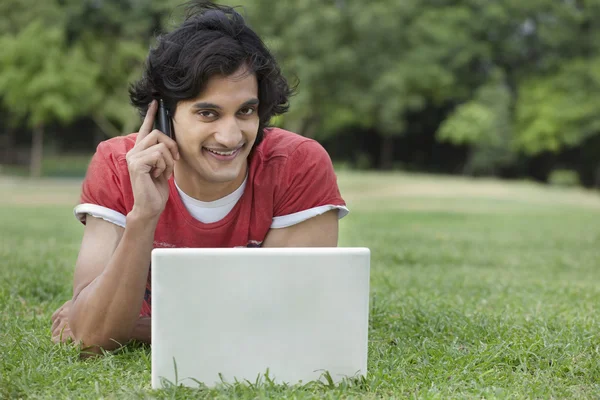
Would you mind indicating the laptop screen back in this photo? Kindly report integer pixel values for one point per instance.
(238, 313)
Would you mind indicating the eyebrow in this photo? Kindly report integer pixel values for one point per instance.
(206, 105)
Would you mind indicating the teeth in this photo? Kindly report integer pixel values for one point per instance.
(222, 153)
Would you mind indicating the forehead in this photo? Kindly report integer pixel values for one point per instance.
(238, 87)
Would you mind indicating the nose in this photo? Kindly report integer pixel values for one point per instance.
(229, 134)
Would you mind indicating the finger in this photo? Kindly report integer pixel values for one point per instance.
(169, 162)
(148, 123)
(148, 160)
(58, 326)
(151, 159)
(67, 336)
(66, 306)
(168, 142)
(56, 333)
(160, 166)
(64, 334)
(169, 170)
(156, 137)
(56, 323)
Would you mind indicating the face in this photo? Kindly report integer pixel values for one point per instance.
(216, 130)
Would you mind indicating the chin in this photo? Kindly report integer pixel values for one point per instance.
(222, 177)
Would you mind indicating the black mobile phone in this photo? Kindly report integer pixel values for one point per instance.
(163, 119)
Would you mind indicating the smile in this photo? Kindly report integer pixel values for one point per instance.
(224, 155)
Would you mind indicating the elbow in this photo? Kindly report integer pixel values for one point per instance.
(93, 341)
(96, 343)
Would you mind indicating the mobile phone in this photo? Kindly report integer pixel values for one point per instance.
(163, 119)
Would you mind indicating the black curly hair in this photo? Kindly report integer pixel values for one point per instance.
(212, 40)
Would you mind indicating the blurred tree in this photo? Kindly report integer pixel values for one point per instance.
(115, 35)
(43, 81)
(545, 52)
(560, 109)
(367, 65)
(484, 123)
(512, 80)
(17, 14)
(313, 42)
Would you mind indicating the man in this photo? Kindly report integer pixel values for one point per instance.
(223, 180)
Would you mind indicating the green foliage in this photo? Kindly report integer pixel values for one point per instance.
(42, 79)
(17, 14)
(369, 65)
(72, 58)
(470, 123)
(115, 36)
(484, 123)
(559, 110)
(119, 62)
(521, 75)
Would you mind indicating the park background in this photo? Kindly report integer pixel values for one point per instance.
(474, 87)
(466, 139)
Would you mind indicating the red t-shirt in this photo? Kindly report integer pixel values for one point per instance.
(287, 174)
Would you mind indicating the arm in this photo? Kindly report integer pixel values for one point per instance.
(109, 283)
(112, 267)
(142, 331)
(319, 231)
(61, 330)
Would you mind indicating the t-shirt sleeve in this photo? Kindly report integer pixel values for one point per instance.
(307, 187)
(104, 187)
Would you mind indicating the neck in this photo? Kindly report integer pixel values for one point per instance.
(196, 186)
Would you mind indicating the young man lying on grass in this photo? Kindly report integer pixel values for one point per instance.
(224, 180)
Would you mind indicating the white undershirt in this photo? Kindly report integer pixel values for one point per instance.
(211, 211)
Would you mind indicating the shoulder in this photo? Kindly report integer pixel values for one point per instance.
(287, 158)
(109, 164)
(300, 174)
(116, 148)
(106, 189)
(282, 144)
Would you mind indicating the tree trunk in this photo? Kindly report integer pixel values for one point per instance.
(37, 151)
(9, 150)
(467, 169)
(386, 152)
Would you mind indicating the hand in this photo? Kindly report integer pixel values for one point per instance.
(61, 332)
(151, 162)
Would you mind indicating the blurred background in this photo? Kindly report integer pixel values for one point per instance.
(504, 88)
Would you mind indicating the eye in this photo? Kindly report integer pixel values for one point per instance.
(247, 111)
(207, 114)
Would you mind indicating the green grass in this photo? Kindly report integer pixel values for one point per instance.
(479, 289)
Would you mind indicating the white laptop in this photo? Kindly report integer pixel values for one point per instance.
(237, 314)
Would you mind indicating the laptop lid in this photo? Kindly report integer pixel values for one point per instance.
(235, 314)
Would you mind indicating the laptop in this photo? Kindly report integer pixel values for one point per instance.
(293, 315)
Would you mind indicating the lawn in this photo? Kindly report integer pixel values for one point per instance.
(479, 289)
